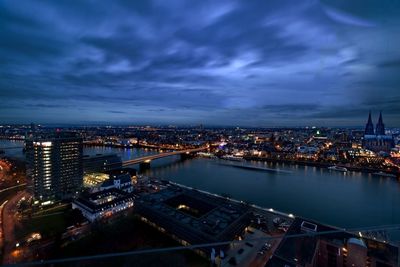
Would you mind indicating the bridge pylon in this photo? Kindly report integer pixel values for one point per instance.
(185, 156)
(144, 165)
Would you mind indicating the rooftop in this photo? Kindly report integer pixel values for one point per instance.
(299, 251)
(102, 199)
(194, 216)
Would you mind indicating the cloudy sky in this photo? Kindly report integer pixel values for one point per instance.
(255, 63)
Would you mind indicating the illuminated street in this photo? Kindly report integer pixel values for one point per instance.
(12, 252)
(228, 133)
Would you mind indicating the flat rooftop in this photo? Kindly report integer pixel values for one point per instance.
(189, 205)
(194, 216)
(300, 250)
(94, 202)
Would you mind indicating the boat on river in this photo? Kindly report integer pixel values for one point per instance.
(384, 174)
(337, 168)
(232, 158)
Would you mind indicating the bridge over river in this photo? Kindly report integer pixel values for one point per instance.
(144, 162)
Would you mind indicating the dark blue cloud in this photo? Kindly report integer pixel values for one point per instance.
(283, 62)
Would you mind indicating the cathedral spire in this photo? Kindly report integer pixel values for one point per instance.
(369, 128)
(380, 121)
(380, 126)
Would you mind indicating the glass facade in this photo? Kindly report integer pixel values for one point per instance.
(55, 166)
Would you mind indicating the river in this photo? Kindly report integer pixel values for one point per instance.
(351, 199)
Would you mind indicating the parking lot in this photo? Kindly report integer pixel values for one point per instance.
(253, 251)
(257, 245)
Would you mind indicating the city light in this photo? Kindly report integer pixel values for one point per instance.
(156, 133)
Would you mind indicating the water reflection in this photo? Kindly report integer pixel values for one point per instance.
(351, 199)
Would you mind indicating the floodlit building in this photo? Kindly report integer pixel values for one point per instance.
(122, 182)
(103, 204)
(94, 180)
(55, 166)
(377, 140)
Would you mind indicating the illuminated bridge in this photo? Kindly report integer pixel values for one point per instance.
(145, 161)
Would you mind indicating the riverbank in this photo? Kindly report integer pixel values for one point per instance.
(321, 165)
(248, 158)
(344, 199)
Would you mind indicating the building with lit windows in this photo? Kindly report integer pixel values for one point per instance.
(193, 217)
(103, 204)
(122, 182)
(55, 166)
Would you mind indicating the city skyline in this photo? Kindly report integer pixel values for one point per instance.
(58, 126)
(281, 63)
(200, 133)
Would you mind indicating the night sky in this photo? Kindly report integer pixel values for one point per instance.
(247, 63)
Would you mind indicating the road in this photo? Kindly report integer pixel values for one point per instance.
(10, 221)
(1, 223)
(12, 187)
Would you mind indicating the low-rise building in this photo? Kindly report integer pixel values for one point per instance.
(122, 182)
(103, 204)
(193, 217)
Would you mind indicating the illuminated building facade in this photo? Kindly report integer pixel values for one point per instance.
(377, 140)
(55, 166)
(103, 204)
(122, 182)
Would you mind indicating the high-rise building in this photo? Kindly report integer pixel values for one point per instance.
(55, 165)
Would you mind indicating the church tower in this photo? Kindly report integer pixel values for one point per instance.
(380, 127)
(369, 128)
